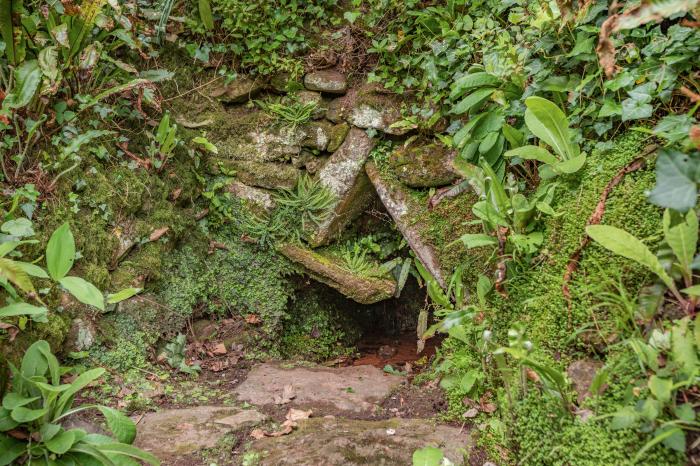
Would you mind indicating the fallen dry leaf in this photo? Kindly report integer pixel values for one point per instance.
(298, 414)
(488, 408)
(470, 413)
(158, 233)
(219, 349)
(175, 194)
(257, 434)
(287, 395)
(252, 319)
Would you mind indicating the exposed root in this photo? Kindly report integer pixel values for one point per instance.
(596, 218)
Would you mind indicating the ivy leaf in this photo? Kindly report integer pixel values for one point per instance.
(676, 178)
(636, 109)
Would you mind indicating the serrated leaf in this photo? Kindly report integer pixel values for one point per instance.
(683, 347)
(624, 418)
(681, 234)
(121, 426)
(660, 388)
(624, 244)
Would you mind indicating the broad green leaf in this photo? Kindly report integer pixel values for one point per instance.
(660, 388)
(450, 320)
(14, 400)
(472, 100)
(682, 237)
(428, 456)
(32, 270)
(495, 191)
(83, 291)
(676, 176)
(61, 443)
(532, 153)
(119, 296)
(204, 142)
(477, 240)
(470, 81)
(60, 252)
(692, 291)
(121, 426)
(10, 449)
(49, 431)
(549, 123)
(22, 309)
(27, 79)
(468, 380)
(129, 451)
(78, 384)
(622, 243)
(6, 421)
(22, 414)
(205, 14)
(570, 166)
(18, 227)
(685, 412)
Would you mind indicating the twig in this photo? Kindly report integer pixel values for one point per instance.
(596, 218)
(193, 89)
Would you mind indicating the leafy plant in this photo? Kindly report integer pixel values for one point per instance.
(546, 121)
(175, 355)
(509, 219)
(293, 114)
(677, 176)
(553, 380)
(485, 135)
(163, 142)
(355, 258)
(16, 275)
(35, 408)
(312, 201)
(671, 357)
(680, 236)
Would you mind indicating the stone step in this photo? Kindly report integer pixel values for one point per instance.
(172, 433)
(353, 389)
(328, 269)
(348, 442)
